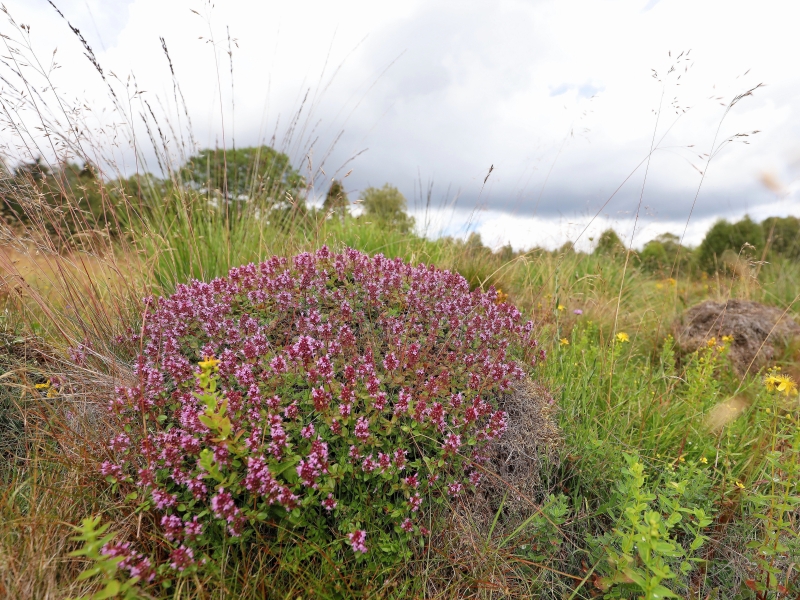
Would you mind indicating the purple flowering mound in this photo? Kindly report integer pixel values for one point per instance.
(332, 399)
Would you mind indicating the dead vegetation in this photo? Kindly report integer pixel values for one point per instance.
(760, 333)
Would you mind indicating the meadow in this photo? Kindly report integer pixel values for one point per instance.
(657, 473)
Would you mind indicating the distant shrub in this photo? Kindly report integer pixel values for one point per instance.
(664, 253)
(345, 397)
(783, 235)
(609, 244)
(336, 200)
(728, 236)
(388, 207)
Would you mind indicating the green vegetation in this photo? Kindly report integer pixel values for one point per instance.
(647, 496)
(387, 206)
(674, 477)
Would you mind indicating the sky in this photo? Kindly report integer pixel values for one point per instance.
(530, 122)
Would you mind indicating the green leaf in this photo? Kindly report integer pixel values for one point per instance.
(110, 591)
(661, 592)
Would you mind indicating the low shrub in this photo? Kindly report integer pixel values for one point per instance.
(322, 404)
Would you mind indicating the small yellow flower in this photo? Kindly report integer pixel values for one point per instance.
(739, 484)
(623, 337)
(672, 281)
(728, 339)
(209, 363)
(501, 297)
(704, 460)
(659, 286)
(681, 459)
(780, 383)
(712, 342)
(564, 342)
(42, 386)
(561, 307)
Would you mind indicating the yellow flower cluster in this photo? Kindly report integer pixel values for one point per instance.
(208, 364)
(51, 391)
(623, 337)
(775, 381)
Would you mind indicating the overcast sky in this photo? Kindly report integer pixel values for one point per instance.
(560, 99)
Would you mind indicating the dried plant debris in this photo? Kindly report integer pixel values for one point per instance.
(760, 333)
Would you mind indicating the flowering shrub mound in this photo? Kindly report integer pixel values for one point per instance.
(332, 397)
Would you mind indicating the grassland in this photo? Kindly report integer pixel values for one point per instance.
(625, 404)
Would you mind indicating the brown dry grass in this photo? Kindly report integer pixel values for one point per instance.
(51, 450)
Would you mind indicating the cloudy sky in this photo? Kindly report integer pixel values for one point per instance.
(561, 100)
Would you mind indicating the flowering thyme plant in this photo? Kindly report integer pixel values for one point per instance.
(332, 395)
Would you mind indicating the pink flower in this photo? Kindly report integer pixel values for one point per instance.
(357, 540)
(172, 526)
(181, 558)
(451, 444)
(223, 506)
(400, 459)
(369, 465)
(329, 503)
(407, 526)
(162, 499)
(412, 480)
(108, 469)
(193, 529)
(292, 411)
(454, 489)
(314, 465)
(385, 461)
(362, 429)
(401, 406)
(390, 363)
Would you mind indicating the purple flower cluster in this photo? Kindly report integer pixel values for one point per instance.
(324, 380)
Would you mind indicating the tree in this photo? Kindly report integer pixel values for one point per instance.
(731, 237)
(252, 173)
(387, 206)
(609, 244)
(336, 201)
(63, 201)
(661, 254)
(783, 235)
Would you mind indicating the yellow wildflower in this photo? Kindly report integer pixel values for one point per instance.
(712, 342)
(775, 382)
(728, 339)
(704, 460)
(739, 484)
(623, 337)
(561, 307)
(659, 286)
(672, 281)
(501, 296)
(209, 363)
(42, 386)
(564, 342)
